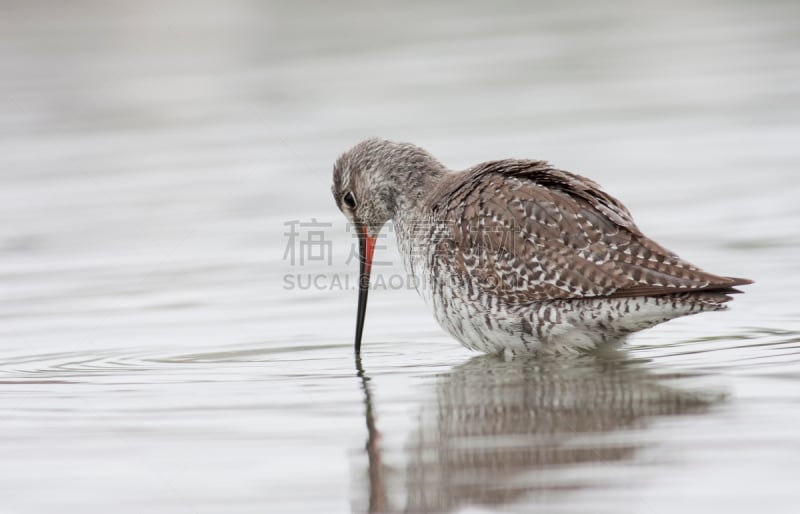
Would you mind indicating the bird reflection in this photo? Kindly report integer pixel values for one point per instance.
(376, 471)
(499, 431)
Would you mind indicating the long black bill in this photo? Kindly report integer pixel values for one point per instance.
(366, 247)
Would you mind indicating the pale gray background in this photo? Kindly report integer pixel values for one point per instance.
(152, 360)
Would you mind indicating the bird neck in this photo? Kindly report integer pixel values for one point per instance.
(414, 180)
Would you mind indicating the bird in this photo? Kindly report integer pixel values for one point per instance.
(516, 256)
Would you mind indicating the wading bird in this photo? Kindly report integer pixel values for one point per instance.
(516, 256)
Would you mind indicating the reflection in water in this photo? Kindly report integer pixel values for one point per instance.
(377, 489)
(498, 430)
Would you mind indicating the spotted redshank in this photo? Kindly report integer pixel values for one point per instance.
(516, 256)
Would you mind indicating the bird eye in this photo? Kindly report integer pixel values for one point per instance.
(349, 200)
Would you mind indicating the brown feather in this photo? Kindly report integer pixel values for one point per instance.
(529, 232)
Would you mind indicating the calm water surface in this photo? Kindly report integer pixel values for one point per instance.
(165, 202)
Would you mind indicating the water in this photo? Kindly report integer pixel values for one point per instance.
(156, 358)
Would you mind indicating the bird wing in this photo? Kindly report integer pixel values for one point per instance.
(530, 232)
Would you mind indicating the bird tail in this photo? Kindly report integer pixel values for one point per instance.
(729, 288)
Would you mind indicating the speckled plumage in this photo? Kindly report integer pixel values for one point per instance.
(517, 256)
